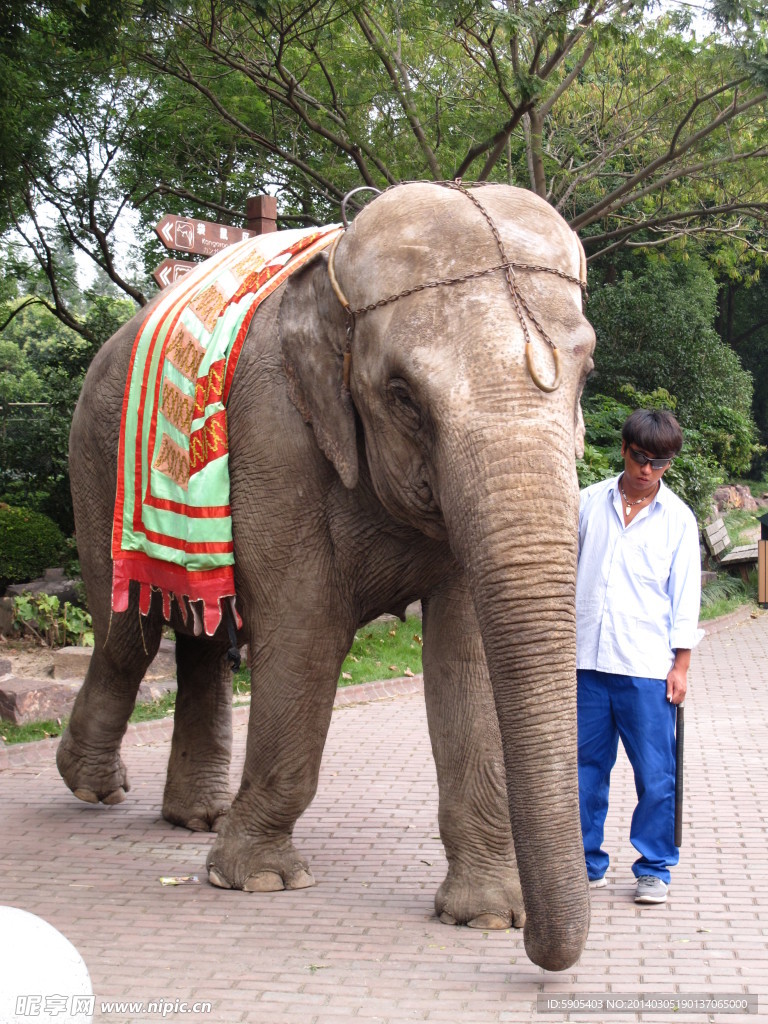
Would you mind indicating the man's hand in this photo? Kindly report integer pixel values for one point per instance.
(677, 679)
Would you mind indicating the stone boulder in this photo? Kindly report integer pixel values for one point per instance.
(53, 584)
(25, 700)
(73, 662)
(732, 496)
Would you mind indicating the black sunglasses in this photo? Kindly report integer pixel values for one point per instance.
(641, 459)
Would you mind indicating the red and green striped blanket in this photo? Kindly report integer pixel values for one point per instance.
(172, 528)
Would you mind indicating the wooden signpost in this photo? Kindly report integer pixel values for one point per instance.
(206, 238)
(169, 271)
(187, 234)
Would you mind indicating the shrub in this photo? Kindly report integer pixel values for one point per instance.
(52, 622)
(732, 438)
(654, 329)
(596, 465)
(29, 544)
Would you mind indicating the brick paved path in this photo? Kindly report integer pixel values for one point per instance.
(363, 945)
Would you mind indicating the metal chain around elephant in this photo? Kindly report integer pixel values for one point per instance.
(521, 307)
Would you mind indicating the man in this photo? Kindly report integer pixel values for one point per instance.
(637, 606)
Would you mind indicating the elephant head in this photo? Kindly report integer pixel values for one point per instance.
(469, 441)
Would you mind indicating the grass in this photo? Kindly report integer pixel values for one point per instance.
(380, 650)
(30, 731)
(741, 525)
(383, 650)
(727, 593)
(146, 711)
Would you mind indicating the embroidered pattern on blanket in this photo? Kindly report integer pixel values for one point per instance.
(172, 528)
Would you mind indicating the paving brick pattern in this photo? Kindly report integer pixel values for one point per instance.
(363, 945)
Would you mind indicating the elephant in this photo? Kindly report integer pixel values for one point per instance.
(404, 424)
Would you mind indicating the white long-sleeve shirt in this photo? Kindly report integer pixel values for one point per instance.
(638, 587)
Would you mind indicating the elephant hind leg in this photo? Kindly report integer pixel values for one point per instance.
(88, 756)
(197, 793)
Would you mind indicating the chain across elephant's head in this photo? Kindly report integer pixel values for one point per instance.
(522, 309)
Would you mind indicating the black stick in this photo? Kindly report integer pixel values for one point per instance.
(679, 742)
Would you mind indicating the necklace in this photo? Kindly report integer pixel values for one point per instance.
(629, 504)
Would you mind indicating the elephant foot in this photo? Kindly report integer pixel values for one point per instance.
(257, 865)
(198, 812)
(93, 776)
(479, 900)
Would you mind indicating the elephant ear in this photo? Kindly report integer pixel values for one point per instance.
(312, 327)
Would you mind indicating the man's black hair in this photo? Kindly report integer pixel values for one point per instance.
(653, 430)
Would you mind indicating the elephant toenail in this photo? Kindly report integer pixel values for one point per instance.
(490, 922)
(264, 881)
(87, 795)
(116, 797)
(215, 879)
(301, 880)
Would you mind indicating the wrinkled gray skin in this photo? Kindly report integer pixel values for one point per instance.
(449, 477)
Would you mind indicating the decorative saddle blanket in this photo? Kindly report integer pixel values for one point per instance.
(172, 529)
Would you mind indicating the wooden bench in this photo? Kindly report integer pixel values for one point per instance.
(723, 555)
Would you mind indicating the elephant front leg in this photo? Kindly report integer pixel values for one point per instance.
(482, 888)
(197, 793)
(292, 691)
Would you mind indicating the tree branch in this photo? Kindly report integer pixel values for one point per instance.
(749, 332)
(399, 79)
(32, 300)
(619, 197)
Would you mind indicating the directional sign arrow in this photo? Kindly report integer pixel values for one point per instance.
(169, 271)
(199, 236)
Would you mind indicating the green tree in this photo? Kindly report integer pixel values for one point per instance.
(743, 324)
(42, 365)
(644, 137)
(638, 133)
(655, 330)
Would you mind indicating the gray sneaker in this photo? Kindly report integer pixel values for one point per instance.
(650, 889)
(598, 883)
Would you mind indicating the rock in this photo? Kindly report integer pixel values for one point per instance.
(65, 590)
(164, 664)
(73, 662)
(35, 700)
(734, 496)
(5, 667)
(154, 689)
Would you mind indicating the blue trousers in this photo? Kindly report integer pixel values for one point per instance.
(637, 710)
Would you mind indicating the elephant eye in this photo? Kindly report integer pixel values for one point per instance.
(402, 403)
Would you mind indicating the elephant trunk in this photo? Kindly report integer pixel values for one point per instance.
(517, 541)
